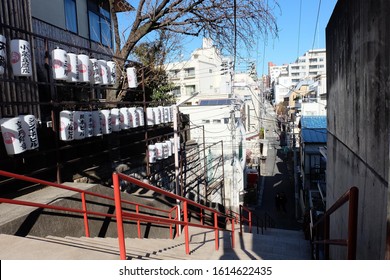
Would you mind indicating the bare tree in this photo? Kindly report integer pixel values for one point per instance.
(225, 21)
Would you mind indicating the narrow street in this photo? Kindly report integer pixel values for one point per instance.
(276, 177)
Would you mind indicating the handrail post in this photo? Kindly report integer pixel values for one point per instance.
(186, 234)
(233, 234)
(138, 222)
(118, 213)
(352, 223)
(86, 225)
(326, 237)
(240, 219)
(216, 231)
(177, 225)
(250, 221)
(170, 227)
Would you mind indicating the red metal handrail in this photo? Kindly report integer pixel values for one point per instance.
(185, 202)
(351, 196)
(251, 217)
(119, 215)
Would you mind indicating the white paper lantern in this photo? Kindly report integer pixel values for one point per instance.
(150, 116)
(152, 153)
(79, 125)
(66, 125)
(157, 115)
(165, 150)
(97, 119)
(95, 77)
(166, 114)
(115, 119)
(172, 140)
(161, 108)
(103, 71)
(3, 54)
(169, 144)
(29, 124)
(21, 58)
(88, 124)
(111, 66)
(170, 114)
(159, 150)
(106, 121)
(73, 68)
(125, 116)
(141, 116)
(134, 117)
(59, 64)
(13, 135)
(132, 77)
(83, 61)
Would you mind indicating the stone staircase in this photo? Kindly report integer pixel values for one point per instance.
(275, 244)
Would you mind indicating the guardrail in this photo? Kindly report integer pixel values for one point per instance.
(181, 201)
(171, 218)
(320, 230)
(246, 216)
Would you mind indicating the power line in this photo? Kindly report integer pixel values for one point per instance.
(299, 26)
(315, 30)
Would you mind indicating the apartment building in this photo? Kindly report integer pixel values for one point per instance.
(201, 73)
(307, 66)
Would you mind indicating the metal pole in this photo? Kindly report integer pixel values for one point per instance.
(176, 148)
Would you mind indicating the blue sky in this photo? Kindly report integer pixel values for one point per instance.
(292, 43)
(294, 39)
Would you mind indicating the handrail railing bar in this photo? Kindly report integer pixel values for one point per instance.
(118, 213)
(69, 188)
(352, 223)
(166, 193)
(341, 201)
(340, 242)
(84, 204)
(351, 196)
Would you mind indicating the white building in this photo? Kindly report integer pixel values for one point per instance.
(201, 73)
(307, 66)
(222, 121)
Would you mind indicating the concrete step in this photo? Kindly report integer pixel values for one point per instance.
(276, 244)
(38, 248)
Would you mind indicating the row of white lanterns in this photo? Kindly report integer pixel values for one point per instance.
(19, 134)
(20, 59)
(80, 68)
(161, 150)
(70, 67)
(76, 125)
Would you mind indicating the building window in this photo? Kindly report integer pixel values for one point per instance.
(311, 60)
(176, 92)
(100, 22)
(189, 72)
(70, 15)
(190, 90)
(217, 121)
(174, 74)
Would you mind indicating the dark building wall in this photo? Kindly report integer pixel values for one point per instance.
(358, 59)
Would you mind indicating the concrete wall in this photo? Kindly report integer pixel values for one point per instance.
(22, 220)
(358, 56)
